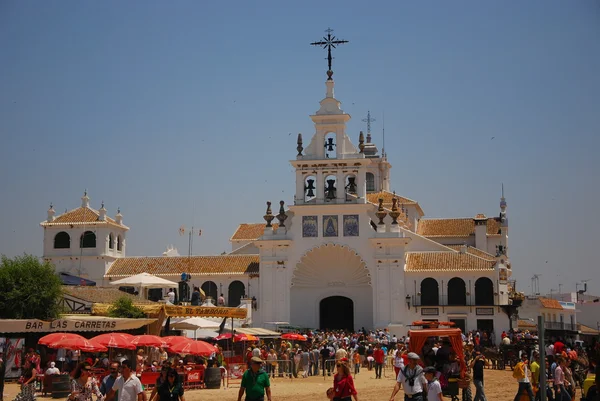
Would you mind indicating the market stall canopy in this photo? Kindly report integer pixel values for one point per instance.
(145, 280)
(202, 333)
(72, 323)
(193, 323)
(258, 331)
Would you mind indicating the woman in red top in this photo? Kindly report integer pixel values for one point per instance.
(343, 385)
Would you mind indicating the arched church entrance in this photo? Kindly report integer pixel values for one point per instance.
(331, 287)
(336, 313)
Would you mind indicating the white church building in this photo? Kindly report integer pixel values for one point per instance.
(347, 253)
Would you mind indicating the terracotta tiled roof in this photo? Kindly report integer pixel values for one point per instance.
(99, 294)
(474, 251)
(460, 227)
(550, 303)
(526, 324)
(250, 232)
(445, 261)
(175, 265)
(588, 331)
(80, 216)
(387, 200)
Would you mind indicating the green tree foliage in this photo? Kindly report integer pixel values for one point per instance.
(124, 307)
(29, 289)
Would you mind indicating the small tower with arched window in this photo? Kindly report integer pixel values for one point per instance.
(330, 169)
(84, 241)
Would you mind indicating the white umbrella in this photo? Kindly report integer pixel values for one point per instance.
(145, 280)
(194, 323)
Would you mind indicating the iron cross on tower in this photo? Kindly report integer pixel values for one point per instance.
(328, 42)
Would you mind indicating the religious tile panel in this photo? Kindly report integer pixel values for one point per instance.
(330, 226)
(310, 226)
(350, 225)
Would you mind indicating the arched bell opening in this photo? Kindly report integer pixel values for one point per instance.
(330, 188)
(350, 187)
(310, 188)
(330, 146)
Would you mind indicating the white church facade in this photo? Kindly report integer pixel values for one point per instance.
(346, 253)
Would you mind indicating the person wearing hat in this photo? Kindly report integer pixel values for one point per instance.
(52, 370)
(412, 379)
(434, 389)
(255, 382)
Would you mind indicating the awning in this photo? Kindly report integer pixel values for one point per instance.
(193, 323)
(180, 311)
(257, 331)
(72, 324)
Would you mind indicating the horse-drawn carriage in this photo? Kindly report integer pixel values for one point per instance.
(455, 383)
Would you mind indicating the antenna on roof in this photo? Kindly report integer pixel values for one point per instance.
(383, 155)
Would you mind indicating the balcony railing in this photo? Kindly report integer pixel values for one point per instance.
(560, 326)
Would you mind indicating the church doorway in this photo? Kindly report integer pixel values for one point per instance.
(237, 290)
(336, 313)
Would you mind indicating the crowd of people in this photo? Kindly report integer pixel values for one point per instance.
(338, 353)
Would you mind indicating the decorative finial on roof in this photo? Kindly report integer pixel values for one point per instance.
(361, 141)
(329, 42)
(381, 213)
(102, 212)
(299, 148)
(368, 120)
(119, 216)
(394, 214)
(281, 216)
(268, 215)
(51, 213)
(503, 217)
(85, 200)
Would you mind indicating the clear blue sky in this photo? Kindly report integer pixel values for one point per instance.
(181, 113)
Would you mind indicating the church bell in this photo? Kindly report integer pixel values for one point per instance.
(329, 144)
(310, 188)
(330, 190)
(351, 187)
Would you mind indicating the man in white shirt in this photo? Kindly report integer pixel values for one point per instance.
(171, 295)
(52, 370)
(412, 379)
(128, 385)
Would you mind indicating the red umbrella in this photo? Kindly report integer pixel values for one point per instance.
(172, 340)
(147, 340)
(81, 344)
(55, 337)
(115, 340)
(293, 336)
(193, 348)
(238, 337)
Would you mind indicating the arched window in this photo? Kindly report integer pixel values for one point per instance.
(430, 292)
(210, 290)
(237, 290)
(370, 182)
(484, 291)
(119, 243)
(457, 292)
(87, 240)
(62, 240)
(111, 241)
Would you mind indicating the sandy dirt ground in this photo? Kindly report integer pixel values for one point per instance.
(499, 386)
